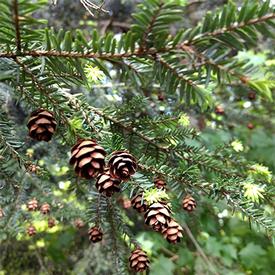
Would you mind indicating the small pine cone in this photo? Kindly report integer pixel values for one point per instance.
(51, 222)
(45, 208)
(252, 95)
(124, 202)
(79, 223)
(88, 158)
(1, 213)
(122, 165)
(219, 110)
(139, 261)
(32, 205)
(31, 231)
(158, 215)
(106, 184)
(138, 203)
(95, 234)
(173, 232)
(189, 203)
(41, 125)
(159, 183)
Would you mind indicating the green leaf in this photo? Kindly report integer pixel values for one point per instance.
(162, 266)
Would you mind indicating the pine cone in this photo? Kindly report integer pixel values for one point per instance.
(251, 95)
(122, 165)
(138, 203)
(95, 234)
(45, 208)
(106, 184)
(173, 232)
(41, 125)
(189, 203)
(32, 205)
(51, 222)
(158, 216)
(124, 202)
(31, 231)
(219, 110)
(79, 223)
(159, 183)
(139, 260)
(88, 158)
(1, 213)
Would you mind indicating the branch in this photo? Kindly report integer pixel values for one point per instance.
(88, 5)
(231, 28)
(199, 249)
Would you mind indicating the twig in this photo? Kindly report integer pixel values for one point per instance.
(198, 247)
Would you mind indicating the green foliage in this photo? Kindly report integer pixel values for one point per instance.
(152, 93)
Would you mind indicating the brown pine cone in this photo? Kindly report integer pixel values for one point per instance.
(173, 232)
(51, 222)
(124, 202)
(79, 223)
(158, 216)
(88, 158)
(122, 165)
(32, 205)
(41, 125)
(139, 203)
(139, 261)
(250, 126)
(219, 110)
(251, 95)
(160, 183)
(45, 208)
(95, 234)
(189, 203)
(31, 231)
(1, 213)
(106, 184)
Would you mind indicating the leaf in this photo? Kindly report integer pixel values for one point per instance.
(251, 255)
(162, 266)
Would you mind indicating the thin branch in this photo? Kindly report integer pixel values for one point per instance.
(231, 28)
(89, 6)
(17, 25)
(199, 249)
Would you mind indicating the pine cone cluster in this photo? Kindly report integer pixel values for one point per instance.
(139, 261)
(158, 215)
(189, 203)
(122, 165)
(95, 234)
(31, 230)
(173, 232)
(159, 183)
(106, 184)
(87, 158)
(139, 203)
(32, 205)
(41, 125)
(45, 208)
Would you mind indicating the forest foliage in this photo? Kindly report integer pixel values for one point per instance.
(192, 105)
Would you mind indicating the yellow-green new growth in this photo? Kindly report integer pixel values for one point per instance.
(253, 191)
(155, 195)
(260, 172)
